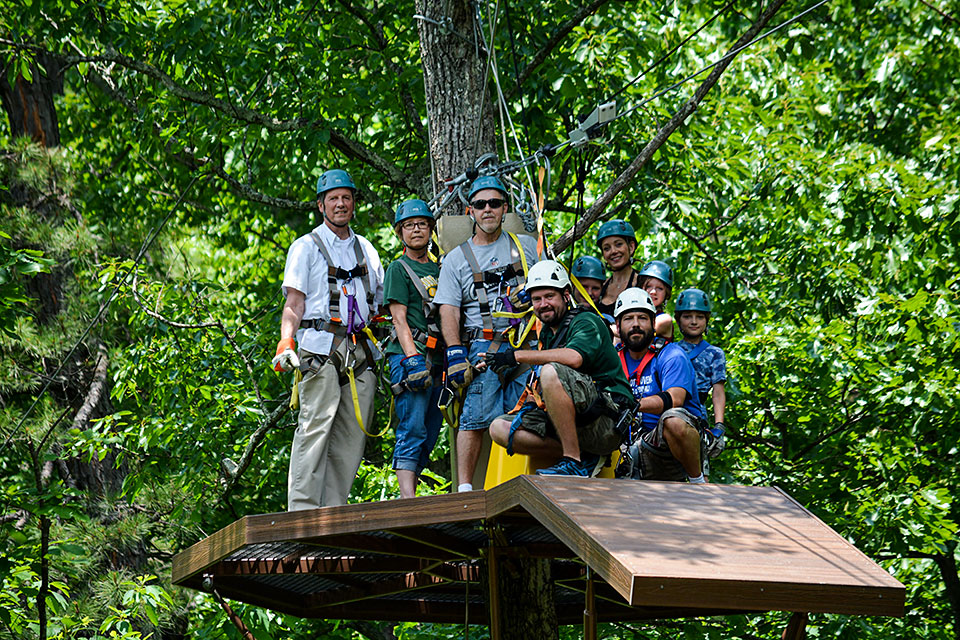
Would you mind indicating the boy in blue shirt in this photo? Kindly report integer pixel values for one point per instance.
(709, 364)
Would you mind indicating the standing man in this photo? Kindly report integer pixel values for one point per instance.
(333, 282)
(415, 365)
(581, 384)
(476, 282)
(671, 443)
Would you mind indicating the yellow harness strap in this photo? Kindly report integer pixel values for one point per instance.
(583, 292)
(295, 392)
(356, 405)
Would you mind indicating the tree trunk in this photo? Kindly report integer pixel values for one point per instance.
(520, 597)
(29, 104)
(459, 101)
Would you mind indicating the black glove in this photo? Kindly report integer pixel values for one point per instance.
(501, 360)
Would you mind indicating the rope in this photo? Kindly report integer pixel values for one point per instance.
(721, 60)
(664, 57)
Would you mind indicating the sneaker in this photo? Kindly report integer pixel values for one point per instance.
(588, 467)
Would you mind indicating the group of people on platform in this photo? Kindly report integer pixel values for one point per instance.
(604, 354)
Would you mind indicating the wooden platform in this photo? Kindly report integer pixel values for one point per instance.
(658, 550)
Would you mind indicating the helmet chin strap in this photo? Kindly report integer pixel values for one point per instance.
(419, 252)
(330, 220)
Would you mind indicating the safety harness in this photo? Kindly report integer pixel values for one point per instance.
(516, 310)
(697, 350)
(532, 396)
(355, 328)
(431, 339)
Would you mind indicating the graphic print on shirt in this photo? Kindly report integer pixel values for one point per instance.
(430, 284)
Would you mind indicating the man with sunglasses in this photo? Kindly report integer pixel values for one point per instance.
(476, 282)
(333, 283)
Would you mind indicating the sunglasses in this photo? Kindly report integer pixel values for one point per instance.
(495, 203)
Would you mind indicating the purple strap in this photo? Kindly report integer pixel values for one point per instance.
(353, 311)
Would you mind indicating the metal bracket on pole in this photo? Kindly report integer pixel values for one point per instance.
(590, 127)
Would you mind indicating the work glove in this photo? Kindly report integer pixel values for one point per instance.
(416, 375)
(286, 358)
(458, 367)
(500, 361)
(716, 440)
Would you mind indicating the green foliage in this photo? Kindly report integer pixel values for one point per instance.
(813, 194)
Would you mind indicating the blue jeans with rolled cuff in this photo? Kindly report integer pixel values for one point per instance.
(418, 421)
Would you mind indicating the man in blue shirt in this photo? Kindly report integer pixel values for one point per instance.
(671, 442)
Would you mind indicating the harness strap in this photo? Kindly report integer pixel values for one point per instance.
(430, 338)
(337, 274)
(647, 357)
(480, 289)
(697, 350)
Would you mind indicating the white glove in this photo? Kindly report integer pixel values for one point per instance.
(286, 358)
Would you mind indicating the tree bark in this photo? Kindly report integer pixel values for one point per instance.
(459, 102)
(29, 104)
(520, 597)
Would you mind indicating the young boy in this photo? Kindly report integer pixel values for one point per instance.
(709, 363)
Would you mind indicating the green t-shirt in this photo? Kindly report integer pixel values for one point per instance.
(589, 336)
(398, 288)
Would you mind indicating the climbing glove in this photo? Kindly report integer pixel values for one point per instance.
(501, 361)
(459, 371)
(716, 440)
(286, 358)
(416, 375)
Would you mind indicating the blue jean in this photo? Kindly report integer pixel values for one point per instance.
(418, 421)
(486, 399)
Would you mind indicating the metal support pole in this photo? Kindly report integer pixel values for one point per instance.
(589, 609)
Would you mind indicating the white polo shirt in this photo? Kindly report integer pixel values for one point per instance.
(306, 271)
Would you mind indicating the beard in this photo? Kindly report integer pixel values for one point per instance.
(638, 339)
(555, 321)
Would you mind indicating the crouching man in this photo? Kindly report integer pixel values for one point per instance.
(671, 443)
(578, 390)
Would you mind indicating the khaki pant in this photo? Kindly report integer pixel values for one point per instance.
(328, 443)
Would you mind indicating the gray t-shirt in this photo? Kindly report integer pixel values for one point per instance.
(456, 278)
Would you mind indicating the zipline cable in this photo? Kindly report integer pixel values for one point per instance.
(664, 57)
(103, 308)
(724, 58)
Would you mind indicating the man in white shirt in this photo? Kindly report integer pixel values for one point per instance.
(333, 283)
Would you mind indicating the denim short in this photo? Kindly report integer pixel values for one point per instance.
(418, 421)
(486, 398)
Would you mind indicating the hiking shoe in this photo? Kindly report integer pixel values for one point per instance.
(588, 467)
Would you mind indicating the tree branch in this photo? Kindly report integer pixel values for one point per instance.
(594, 212)
(376, 30)
(234, 476)
(562, 32)
(351, 148)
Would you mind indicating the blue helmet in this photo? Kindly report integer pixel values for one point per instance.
(660, 270)
(412, 209)
(618, 228)
(588, 267)
(692, 300)
(334, 179)
(486, 182)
